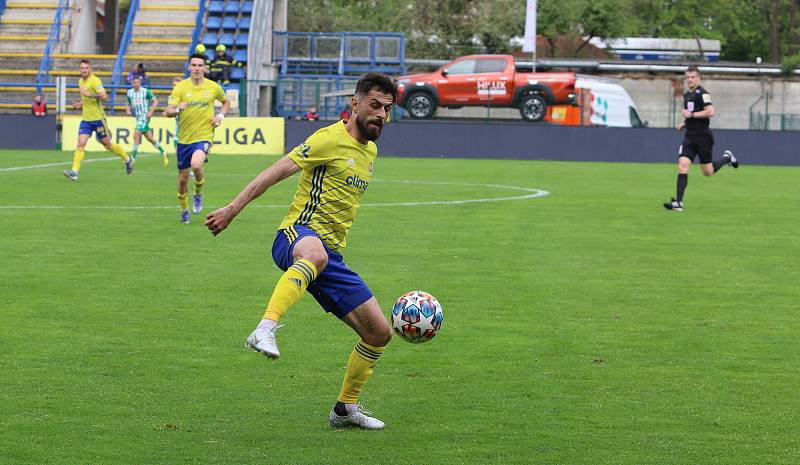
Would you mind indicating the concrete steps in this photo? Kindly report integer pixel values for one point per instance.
(17, 36)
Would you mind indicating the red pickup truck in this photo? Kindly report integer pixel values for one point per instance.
(484, 80)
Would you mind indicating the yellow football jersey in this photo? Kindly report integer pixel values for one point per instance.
(194, 124)
(92, 110)
(337, 170)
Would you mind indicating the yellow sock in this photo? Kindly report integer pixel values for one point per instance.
(359, 369)
(77, 159)
(183, 199)
(198, 186)
(290, 288)
(118, 150)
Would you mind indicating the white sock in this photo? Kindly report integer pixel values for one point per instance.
(267, 324)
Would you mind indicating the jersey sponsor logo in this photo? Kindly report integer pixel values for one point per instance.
(491, 87)
(690, 105)
(357, 182)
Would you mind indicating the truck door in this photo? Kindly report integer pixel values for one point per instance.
(457, 87)
(492, 81)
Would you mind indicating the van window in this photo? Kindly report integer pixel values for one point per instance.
(636, 122)
(462, 67)
(491, 65)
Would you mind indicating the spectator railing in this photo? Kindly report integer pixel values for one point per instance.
(339, 53)
(198, 28)
(43, 75)
(119, 64)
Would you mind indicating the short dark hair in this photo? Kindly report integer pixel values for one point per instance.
(693, 69)
(381, 82)
(136, 78)
(199, 56)
(86, 60)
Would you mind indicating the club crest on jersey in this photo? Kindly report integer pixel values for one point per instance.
(351, 162)
(206, 94)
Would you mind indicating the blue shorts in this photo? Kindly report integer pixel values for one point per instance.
(185, 152)
(99, 127)
(338, 289)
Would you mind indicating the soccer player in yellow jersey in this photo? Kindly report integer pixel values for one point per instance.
(337, 163)
(192, 101)
(93, 120)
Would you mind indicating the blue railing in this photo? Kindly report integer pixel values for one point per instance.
(43, 76)
(198, 28)
(339, 53)
(119, 63)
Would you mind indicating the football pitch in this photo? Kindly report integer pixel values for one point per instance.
(585, 326)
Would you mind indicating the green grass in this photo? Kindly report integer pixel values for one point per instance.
(589, 326)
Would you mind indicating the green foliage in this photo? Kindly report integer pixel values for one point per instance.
(590, 326)
(448, 28)
(790, 64)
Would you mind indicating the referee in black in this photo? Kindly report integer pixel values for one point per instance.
(698, 140)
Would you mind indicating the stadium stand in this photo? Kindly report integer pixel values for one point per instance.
(27, 28)
(227, 22)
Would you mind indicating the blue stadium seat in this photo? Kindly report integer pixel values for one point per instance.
(215, 6)
(210, 53)
(238, 73)
(244, 23)
(229, 22)
(247, 7)
(213, 23)
(232, 7)
(226, 39)
(210, 39)
(240, 55)
(231, 86)
(241, 40)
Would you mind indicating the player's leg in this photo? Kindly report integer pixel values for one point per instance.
(184, 156)
(199, 157)
(149, 136)
(303, 259)
(368, 321)
(137, 141)
(686, 154)
(183, 194)
(77, 158)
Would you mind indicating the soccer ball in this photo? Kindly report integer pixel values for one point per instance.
(417, 316)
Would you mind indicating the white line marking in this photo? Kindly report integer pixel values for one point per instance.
(48, 165)
(530, 193)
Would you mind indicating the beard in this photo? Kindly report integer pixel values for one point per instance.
(370, 132)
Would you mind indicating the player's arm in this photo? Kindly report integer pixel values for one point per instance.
(153, 105)
(128, 107)
(277, 172)
(706, 112)
(172, 110)
(217, 120)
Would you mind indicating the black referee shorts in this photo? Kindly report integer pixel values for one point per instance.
(697, 145)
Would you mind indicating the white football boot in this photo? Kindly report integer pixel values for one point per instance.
(263, 341)
(357, 419)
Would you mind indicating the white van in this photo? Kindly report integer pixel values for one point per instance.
(606, 103)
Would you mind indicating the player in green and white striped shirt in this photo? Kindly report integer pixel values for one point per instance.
(141, 104)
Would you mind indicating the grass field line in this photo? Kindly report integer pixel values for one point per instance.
(62, 163)
(531, 194)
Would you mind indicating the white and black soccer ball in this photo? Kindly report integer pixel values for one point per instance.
(417, 316)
